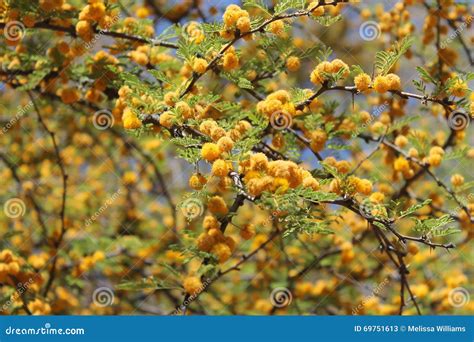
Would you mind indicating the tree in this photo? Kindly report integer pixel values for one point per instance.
(262, 157)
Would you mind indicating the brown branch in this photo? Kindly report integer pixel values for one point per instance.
(58, 241)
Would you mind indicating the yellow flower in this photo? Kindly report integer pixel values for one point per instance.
(220, 168)
(401, 164)
(293, 63)
(362, 82)
(192, 285)
(222, 251)
(276, 27)
(210, 152)
(457, 180)
(381, 84)
(458, 88)
(200, 65)
(217, 205)
(196, 181)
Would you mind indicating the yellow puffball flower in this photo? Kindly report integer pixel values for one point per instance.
(192, 285)
(401, 141)
(381, 84)
(197, 181)
(394, 82)
(222, 251)
(458, 88)
(230, 61)
(457, 180)
(225, 144)
(317, 10)
(84, 30)
(210, 152)
(131, 122)
(362, 82)
(167, 119)
(200, 65)
(217, 205)
(364, 186)
(401, 164)
(220, 168)
(243, 24)
(276, 27)
(293, 63)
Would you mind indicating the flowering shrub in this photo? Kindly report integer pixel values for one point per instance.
(263, 157)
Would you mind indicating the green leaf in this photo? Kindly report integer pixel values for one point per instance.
(431, 225)
(145, 284)
(327, 20)
(244, 83)
(425, 76)
(385, 60)
(260, 4)
(35, 78)
(316, 196)
(414, 208)
(284, 5)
